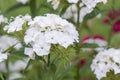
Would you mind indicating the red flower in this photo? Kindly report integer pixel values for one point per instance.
(106, 21)
(116, 26)
(114, 14)
(82, 62)
(94, 37)
(85, 38)
(98, 37)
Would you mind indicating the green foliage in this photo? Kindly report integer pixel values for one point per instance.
(59, 65)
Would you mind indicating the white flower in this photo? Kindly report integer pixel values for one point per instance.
(84, 11)
(73, 1)
(37, 40)
(86, 7)
(105, 61)
(89, 3)
(15, 75)
(29, 52)
(16, 25)
(92, 3)
(55, 3)
(18, 46)
(18, 65)
(3, 67)
(100, 42)
(3, 56)
(3, 19)
(7, 41)
(47, 30)
(22, 1)
(71, 12)
(40, 46)
(104, 1)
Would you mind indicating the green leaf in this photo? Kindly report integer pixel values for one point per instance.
(14, 7)
(94, 13)
(28, 64)
(67, 69)
(62, 7)
(33, 7)
(89, 45)
(1, 77)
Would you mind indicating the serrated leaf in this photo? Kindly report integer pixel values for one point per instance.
(68, 68)
(94, 13)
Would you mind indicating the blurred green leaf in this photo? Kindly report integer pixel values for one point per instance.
(28, 64)
(93, 14)
(1, 77)
(89, 45)
(62, 73)
(14, 7)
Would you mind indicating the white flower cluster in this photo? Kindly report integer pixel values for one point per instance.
(16, 24)
(7, 41)
(14, 68)
(47, 30)
(86, 7)
(3, 19)
(22, 1)
(105, 61)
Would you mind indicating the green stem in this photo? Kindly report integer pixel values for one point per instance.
(48, 60)
(110, 36)
(33, 7)
(77, 44)
(78, 16)
(7, 67)
(77, 72)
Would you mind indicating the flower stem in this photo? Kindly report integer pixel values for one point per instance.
(77, 44)
(48, 60)
(7, 67)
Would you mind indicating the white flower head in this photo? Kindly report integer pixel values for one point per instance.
(3, 56)
(7, 41)
(16, 24)
(18, 65)
(3, 19)
(105, 61)
(86, 7)
(22, 1)
(47, 30)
